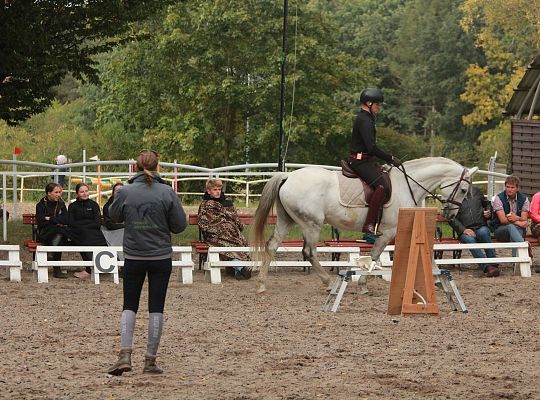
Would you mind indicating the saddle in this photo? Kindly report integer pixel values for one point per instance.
(348, 172)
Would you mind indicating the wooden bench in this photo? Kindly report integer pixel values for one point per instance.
(181, 259)
(213, 265)
(31, 244)
(13, 261)
(201, 248)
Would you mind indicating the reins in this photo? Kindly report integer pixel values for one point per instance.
(443, 201)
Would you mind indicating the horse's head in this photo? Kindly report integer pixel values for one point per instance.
(453, 193)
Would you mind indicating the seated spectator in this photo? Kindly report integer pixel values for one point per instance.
(113, 231)
(85, 225)
(470, 223)
(220, 225)
(52, 221)
(2, 212)
(511, 208)
(534, 213)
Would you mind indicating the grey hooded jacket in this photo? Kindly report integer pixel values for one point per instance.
(149, 213)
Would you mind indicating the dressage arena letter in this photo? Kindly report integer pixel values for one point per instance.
(105, 262)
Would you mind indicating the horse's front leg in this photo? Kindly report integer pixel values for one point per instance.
(381, 242)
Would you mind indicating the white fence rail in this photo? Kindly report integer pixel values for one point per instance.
(181, 259)
(521, 259)
(13, 261)
(23, 174)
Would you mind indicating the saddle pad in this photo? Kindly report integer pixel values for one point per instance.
(351, 191)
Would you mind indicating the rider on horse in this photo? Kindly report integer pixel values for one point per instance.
(363, 151)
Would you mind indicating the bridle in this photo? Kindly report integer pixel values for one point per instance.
(450, 199)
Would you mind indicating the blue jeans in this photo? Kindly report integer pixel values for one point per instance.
(510, 233)
(483, 235)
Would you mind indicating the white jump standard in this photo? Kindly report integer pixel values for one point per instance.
(443, 279)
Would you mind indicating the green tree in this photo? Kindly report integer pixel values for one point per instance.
(204, 86)
(508, 34)
(429, 58)
(41, 41)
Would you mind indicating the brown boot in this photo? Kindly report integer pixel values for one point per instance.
(150, 366)
(123, 364)
(375, 204)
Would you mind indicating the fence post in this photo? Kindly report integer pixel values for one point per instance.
(4, 200)
(14, 188)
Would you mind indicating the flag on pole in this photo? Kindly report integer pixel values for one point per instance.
(17, 151)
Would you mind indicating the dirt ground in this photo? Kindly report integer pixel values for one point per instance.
(226, 342)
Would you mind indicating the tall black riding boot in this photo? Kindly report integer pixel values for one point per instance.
(375, 204)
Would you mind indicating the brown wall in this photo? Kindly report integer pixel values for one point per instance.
(526, 154)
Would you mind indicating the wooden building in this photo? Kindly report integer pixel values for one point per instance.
(524, 109)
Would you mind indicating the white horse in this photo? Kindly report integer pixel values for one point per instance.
(309, 197)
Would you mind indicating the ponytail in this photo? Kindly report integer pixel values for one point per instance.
(147, 162)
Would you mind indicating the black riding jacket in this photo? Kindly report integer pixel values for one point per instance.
(364, 137)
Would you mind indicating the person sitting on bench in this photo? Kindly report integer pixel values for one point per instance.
(85, 225)
(52, 221)
(511, 217)
(470, 223)
(220, 225)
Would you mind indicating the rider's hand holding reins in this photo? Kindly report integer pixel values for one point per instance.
(396, 161)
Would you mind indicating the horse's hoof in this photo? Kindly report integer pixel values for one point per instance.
(261, 289)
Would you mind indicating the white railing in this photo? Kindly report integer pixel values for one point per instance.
(250, 176)
(181, 259)
(13, 261)
(213, 265)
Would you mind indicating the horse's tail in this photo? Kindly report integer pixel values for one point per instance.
(269, 194)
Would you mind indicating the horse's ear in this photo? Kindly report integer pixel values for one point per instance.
(473, 171)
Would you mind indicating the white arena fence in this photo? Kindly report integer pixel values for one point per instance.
(181, 259)
(26, 177)
(13, 261)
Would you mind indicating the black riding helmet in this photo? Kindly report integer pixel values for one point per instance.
(371, 94)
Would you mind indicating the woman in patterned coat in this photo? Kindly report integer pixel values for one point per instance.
(220, 225)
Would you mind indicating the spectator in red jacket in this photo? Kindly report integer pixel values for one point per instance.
(534, 213)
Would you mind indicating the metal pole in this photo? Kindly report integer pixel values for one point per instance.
(99, 183)
(175, 181)
(282, 97)
(4, 199)
(84, 166)
(14, 188)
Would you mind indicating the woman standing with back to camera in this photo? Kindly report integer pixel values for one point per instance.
(150, 210)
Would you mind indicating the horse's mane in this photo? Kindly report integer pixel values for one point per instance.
(429, 160)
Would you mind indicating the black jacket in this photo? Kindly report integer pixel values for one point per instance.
(52, 219)
(364, 137)
(85, 223)
(109, 223)
(471, 212)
